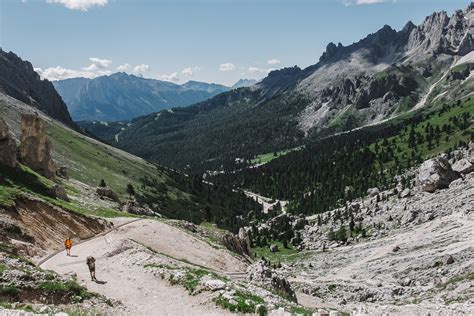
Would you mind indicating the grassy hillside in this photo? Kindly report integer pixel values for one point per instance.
(88, 161)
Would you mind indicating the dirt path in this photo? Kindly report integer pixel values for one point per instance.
(121, 256)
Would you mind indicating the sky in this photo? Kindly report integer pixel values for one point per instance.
(218, 41)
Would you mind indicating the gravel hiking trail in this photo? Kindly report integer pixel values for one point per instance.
(121, 255)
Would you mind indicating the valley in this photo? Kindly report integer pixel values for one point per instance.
(342, 188)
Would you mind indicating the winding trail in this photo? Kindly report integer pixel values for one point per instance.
(121, 255)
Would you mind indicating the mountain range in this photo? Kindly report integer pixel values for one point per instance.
(122, 96)
(383, 76)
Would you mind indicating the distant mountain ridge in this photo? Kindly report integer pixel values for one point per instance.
(19, 80)
(121, 96)
(382, 76)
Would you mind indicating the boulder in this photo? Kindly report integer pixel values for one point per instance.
(133, 207)
(35, 148)
(373, 191)
(464, 166)
(59, 192)
(449, 259)
(405, 193)
(273, 248)
(263, 274)
(8, 149)
(108, 193)
(214, 285)
(435, 174)
(190, 226)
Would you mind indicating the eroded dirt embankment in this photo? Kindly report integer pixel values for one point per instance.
(34, 227)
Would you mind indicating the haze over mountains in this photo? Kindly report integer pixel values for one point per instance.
(384, 75)
(121, 96)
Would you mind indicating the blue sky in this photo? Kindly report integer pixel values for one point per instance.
(207, 40)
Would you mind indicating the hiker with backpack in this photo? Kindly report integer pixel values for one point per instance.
(90, 261)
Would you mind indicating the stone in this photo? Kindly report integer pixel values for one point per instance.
(190, 226)
(59, 192)
(235, 244)
(449, 259)
(405, 193)
(244, 238)
(435, 174)
(62, 172)
(35, 148)
(373, 191)
(108, 193)
(464, 166)
(133, 207)
(214, 285)
(273, 248)
(263, 274)
(8, 149)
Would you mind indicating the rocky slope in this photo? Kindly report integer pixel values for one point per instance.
(387, 74)
(19, 80)
(409, 251)
(122, 97)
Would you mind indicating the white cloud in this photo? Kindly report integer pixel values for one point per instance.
(173, 77)
(226, 67)
(97, 68)
(82, 5)
(101, 63)
(190, 71)
(97, 64)
(255, 70)
(124, 67)
(273, 61)
(60, 73)
(361, 2)
(141, 69)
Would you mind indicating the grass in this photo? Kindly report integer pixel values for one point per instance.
(456, 279)
(90, 162)
(243, 302)
(8, 290)
(160, 266)
(265, 158)
(282, 255)
(68, 287)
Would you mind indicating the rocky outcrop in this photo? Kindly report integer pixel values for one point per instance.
(35, 148)
(133, 207)
(8, 149)
(59, 192)
(107, 193)
(435, 174)
(19, 80)
(235, 244)
(264, 275)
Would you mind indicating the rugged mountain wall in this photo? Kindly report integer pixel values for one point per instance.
(19, 80)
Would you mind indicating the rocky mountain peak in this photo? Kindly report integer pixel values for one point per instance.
(19, 80)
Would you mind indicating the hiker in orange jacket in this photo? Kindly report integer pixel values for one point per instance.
(68, 245)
